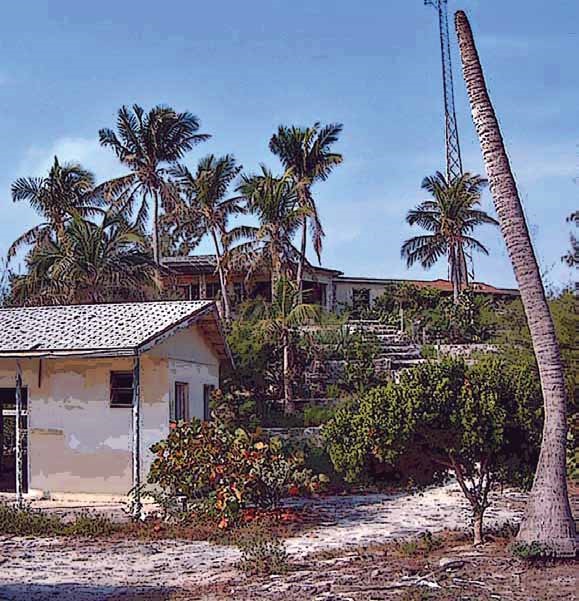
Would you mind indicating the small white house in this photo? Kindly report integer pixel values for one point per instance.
(97, 386)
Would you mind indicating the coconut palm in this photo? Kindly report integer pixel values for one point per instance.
(66, 189)
(274, 202)
(98, 262)
(279, 321)
(306, 154)
(206, 209)
(548, 519)
(450, 218)
(148, 144)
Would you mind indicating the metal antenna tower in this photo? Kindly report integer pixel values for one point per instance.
(453, 159)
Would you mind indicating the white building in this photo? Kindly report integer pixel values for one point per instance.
(99, 385)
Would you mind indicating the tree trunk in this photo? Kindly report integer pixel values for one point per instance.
(548, 517)
(222, 279)
(156, 228)
(287, 385)
(477, 528)
(302, 259)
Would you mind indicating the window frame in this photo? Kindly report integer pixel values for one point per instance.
(123, 389)
(185, 400)
(207, 392)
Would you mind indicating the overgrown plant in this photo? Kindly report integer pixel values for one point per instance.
(480, 424)
(222, 472)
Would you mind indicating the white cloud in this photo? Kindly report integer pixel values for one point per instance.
(86, 151)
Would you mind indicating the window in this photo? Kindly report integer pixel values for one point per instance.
(194, 291)
(238, 292)
(207, 392)
(181, 401)
(121, 389)
(182, 292)
(212, 290)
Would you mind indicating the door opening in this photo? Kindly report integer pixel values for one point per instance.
(8, 439)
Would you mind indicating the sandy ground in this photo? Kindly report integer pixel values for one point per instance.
(78, 570)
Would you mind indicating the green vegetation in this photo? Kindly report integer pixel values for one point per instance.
(221, 473)
(449, 218)
(262, 551)
(480, 423)
(31, 522)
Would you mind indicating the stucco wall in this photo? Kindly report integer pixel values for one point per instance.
(77, 441)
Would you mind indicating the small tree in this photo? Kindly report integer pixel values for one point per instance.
(480, 424)
(279, 321)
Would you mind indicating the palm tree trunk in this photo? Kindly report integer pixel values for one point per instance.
(287, 385)
(548, 517)
(454, 273)
(222, 278)
(156, 228)
(302, 259)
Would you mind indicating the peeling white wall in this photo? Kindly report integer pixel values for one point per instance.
(79, 443)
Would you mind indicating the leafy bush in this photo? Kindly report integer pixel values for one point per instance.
(316, 415)
(90, 526)
(235, 408)
(262, 552)
(481, 423)
(27, 522)
(532, 551)
(33, 522)
(223, 472)
(422, 545)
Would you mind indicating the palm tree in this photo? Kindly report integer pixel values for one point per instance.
(274, 202)
(147, 144)
(206, 209)
(306, 153)
(66, 189)
(548, 519)
(97, 263)
(279, 321)
(450, 218)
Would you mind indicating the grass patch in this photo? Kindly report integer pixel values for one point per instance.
(421, 546)
(262, 551)
(33, 522)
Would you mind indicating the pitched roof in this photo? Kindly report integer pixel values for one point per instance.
(197, 264)
(439, 284)
(103, 329)
(193, 263)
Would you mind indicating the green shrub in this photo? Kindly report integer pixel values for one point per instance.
(223, 472)
(262, 553)
(532, 551)
(422, 545)
(316, 415)
(480, 423)
(89, 525)
(28, 522)
(33, 522)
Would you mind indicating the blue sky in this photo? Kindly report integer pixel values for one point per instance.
(246, 67)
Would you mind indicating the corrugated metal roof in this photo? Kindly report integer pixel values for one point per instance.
(89, 328)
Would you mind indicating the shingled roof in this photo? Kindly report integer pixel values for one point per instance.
(104, 329)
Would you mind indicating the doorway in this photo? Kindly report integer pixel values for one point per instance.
(8, 439)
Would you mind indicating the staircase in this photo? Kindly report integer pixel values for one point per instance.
(396, 352)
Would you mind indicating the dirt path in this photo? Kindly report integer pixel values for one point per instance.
(75, 570)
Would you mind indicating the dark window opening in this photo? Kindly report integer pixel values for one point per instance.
(212, 290)
(207, 392)
(181, 401)
(121, 389)
(238, 292)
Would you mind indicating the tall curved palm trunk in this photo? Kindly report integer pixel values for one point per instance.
(548, 517)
